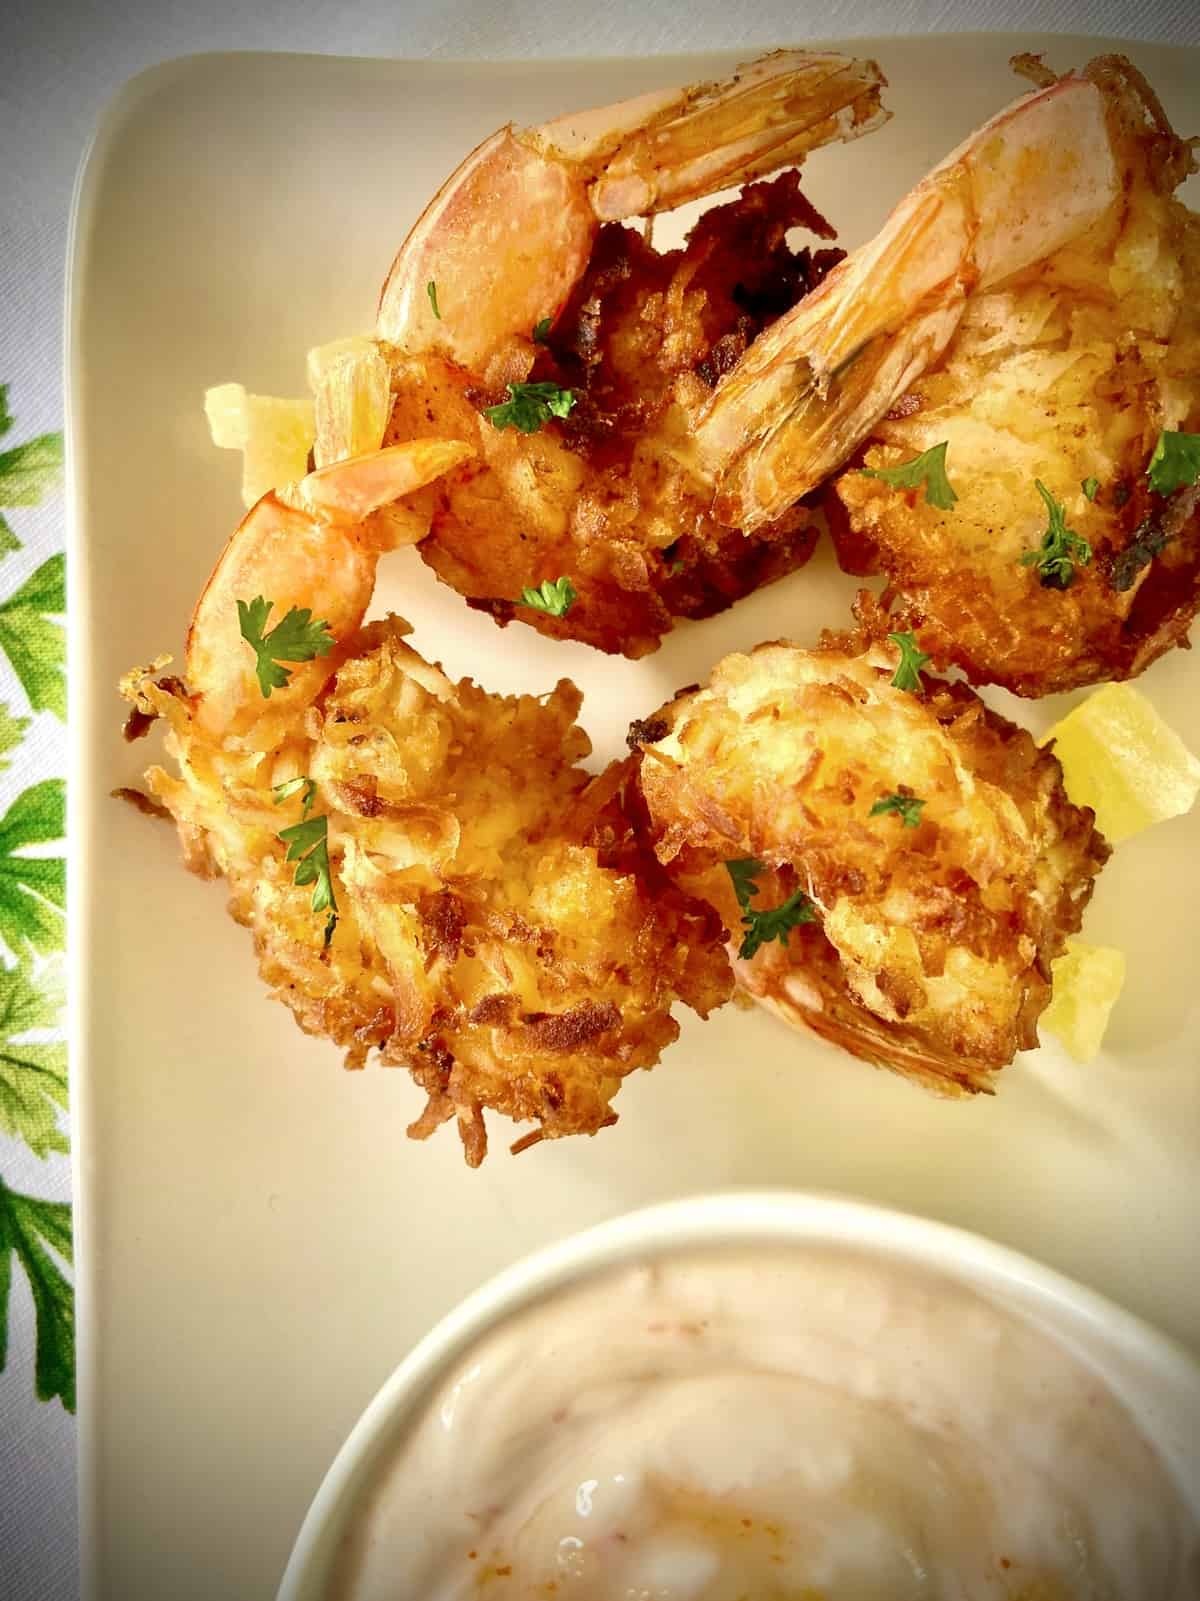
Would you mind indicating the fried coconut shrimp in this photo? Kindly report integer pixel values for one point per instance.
(1033, 305)
(522, 316)
(427, 870)
(897, 867)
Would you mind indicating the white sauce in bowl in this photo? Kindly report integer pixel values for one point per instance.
(802, 1424)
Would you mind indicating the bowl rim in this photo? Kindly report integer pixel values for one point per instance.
(715, 1219)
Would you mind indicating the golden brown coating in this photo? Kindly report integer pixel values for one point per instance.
(500, 932)
(932, 944)
(606, 495)
(1065, 372)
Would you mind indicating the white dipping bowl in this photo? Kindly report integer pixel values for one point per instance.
(1157, 1380)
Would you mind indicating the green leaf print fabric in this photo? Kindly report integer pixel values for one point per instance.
(35, 1232)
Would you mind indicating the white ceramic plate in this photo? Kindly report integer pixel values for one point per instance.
(1158, 1384)
(258, 1243)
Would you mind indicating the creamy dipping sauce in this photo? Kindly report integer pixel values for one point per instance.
(801, 1424)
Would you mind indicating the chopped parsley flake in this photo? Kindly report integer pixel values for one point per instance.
(906, 807)
(912, 659)
(295, 638)
(529, 406)
(1060, 548)
(554, 598)
(296, 786)
(308, 846)
(776, 922)
(929, 468)
(1175, 463)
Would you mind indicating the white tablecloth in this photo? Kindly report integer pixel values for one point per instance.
(57, 70)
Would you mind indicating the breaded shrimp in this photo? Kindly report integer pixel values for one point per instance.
(1063, 375)
(519, 272)
(932, 862)
(427, 870)
(1033, 306)
(806, 395)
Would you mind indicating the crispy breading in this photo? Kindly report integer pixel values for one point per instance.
(932, 947)
(501, 933)
(606, 495)
(1064, 373)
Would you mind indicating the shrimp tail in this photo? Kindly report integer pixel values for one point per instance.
(349, 491)
(311, 546)
(508, 236)
(811, 388)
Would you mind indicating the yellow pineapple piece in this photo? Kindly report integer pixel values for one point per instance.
(274, 436)
(1120, 758)
(278, 439)
(225, 408)
(351, 397)
(322, 357)
(1087, 981)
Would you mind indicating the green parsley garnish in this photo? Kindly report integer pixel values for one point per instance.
(912, 659)
(554, 598)
(775, 922)
(1175, 463)
(541, 331)
(1090, 487)
(529, 406)
(743, 870)
(1060, 548)
(296, 638)
(308, 846)
(906, 807)
(431, 291)
(929, 468)
(294, 786)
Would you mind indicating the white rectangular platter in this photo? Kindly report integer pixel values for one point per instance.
(258, 1242)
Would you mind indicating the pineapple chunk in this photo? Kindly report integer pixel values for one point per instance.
(322, 357)
(225, 408)
(279, 436)
(275, 436)
(1087, 981)
(1120, 758)
(352, 398)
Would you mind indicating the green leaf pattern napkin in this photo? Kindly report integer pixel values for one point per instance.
(35, 1229)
